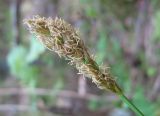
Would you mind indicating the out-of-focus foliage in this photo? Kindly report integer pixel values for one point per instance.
(36, 49)
(156, 33)
(108, 28)
(20, 60)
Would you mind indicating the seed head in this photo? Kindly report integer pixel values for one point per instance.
(59, 36)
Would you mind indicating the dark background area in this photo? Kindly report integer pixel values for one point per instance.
(121, 34)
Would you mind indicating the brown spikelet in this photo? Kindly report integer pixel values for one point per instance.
(59, 36)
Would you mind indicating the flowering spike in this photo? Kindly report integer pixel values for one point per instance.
(59, 36)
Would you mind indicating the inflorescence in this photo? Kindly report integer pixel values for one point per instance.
(59, 36)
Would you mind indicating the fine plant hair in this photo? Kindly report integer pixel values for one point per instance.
(60, 37)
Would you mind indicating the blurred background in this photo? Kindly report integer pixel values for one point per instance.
(122, 34)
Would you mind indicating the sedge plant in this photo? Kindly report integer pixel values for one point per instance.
(60, 37)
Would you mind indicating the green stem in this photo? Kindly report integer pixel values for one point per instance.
(130, 104)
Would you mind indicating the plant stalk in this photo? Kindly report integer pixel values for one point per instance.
(130, 104)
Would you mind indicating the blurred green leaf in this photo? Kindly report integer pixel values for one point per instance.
(116, 47)
(36, 49)
(151, 71)
(101, 47)
(59, 84)
(19, 66)
(91, 12)
(93, 104)
(16, 60)
(86, 1)
(156, 22)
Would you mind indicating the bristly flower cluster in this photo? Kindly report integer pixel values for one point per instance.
(59, 36)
